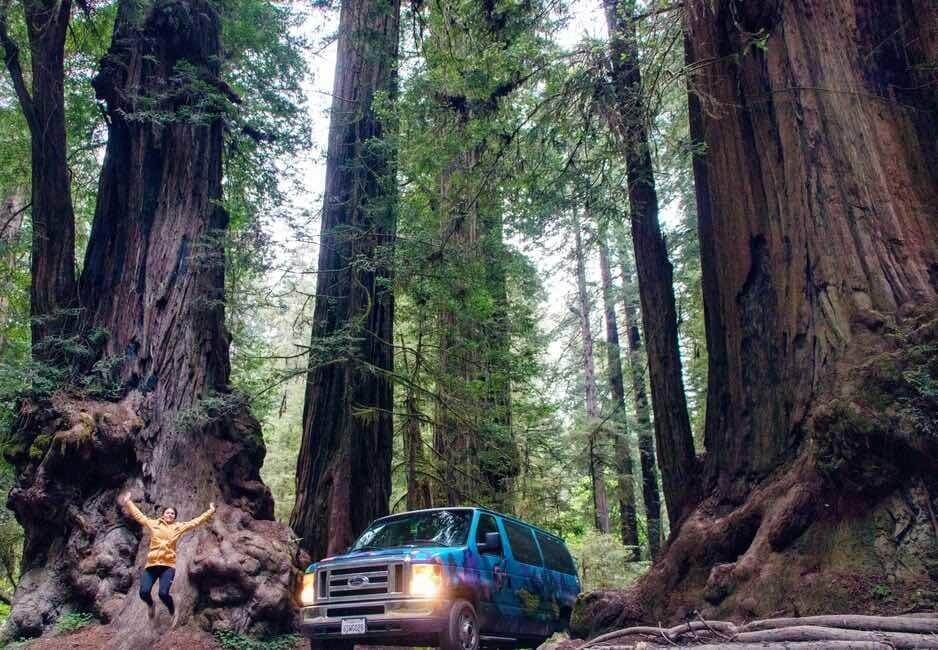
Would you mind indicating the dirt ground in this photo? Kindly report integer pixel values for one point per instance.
(98, 637)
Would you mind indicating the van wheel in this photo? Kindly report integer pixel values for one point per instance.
(331, 645)
(462, 633)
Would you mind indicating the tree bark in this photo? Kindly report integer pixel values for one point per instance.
(646, 444)
(344, 468)
(673, 435)
(53, 289)
(591, 400)
(157, 415)
(625, 483)
(846, 227)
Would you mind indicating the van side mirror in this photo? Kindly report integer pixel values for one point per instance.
(493, 543)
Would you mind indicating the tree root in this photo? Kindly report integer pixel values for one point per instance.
(853, 631)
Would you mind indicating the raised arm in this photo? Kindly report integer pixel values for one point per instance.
(131, 509)
(201, 519)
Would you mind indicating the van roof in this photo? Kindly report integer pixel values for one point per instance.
(480, 509)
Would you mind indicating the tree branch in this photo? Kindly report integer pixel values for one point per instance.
(12, 58)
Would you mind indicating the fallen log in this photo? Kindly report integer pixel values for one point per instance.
(909, 624)
(799, 645)
(813, 633)
(919, 630)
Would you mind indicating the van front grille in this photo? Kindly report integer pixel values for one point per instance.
(360, 582)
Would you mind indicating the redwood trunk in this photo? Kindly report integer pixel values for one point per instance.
(675, 442)
(159, 418)
(418, 482)
(625, 483)
(646, 444)
(53, 290)
(819, 250)
(344, 471)
(830, 213)
(473, 436)
(591, 400)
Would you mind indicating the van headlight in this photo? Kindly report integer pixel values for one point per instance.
(426, 580)
(308, 589)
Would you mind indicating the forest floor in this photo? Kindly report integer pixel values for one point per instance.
(97, 637)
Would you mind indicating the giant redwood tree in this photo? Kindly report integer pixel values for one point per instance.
(155, 414)
(818, 207)
(474, 441)
(344, 469)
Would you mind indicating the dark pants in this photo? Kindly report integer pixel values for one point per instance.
(165, 575)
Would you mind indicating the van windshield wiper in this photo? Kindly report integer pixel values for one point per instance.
(431, 542)
(369, 547)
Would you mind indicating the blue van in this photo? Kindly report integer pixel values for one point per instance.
(449, 577)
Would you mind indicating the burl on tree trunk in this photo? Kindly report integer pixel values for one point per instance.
(157, 415)
(818, 208)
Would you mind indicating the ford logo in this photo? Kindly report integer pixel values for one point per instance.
(358, 581)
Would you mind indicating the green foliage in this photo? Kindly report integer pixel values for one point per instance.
(602, 561)
(74, 621)
(230, 640)
(208, 410)
(881, 592)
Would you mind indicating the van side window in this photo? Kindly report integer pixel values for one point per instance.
(522, 543)
(556, 555)
(486, 525)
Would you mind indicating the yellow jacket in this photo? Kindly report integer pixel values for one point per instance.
(163, 536)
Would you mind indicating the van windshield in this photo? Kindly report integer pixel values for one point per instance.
(431, 528)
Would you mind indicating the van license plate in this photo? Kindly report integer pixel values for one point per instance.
(353, 626)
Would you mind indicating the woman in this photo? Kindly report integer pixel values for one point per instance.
(161, 558)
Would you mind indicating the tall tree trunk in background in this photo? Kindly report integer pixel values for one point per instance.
(53, 292)
(675, 443)
(159, 418)
(646, 443)
(594, 428)
(628, 525)
(473, 436)
(344, 469)
(418, 484)
(12, 213)
(818, 218)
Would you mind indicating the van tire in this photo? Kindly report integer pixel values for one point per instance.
(331, 645)
(462, 630)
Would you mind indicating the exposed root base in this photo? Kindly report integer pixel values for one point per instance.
(81, 554)
(847, 526)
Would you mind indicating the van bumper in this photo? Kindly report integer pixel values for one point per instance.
(405, 622)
